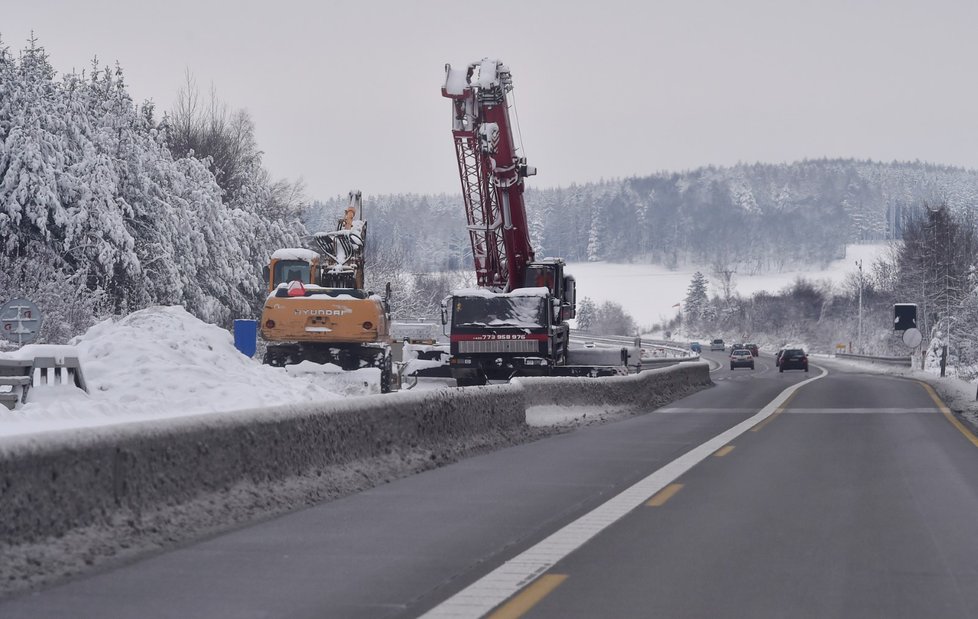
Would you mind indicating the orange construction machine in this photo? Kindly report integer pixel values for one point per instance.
(317, 309)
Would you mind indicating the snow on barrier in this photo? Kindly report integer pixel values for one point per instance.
(108, 476)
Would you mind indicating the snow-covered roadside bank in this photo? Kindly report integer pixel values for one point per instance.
(958, 394)
(161, 363)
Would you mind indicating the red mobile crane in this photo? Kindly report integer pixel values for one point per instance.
(515, 323)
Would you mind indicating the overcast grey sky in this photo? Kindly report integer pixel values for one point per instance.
(346, 94)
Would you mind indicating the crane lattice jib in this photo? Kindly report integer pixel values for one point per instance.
(483, 217)
(491, 173)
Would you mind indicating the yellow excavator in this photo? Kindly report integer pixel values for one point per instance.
(317, 309)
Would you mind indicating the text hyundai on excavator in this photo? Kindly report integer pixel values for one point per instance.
(317, 309)
(515, 322)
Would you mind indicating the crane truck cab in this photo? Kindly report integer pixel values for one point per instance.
(524, 332)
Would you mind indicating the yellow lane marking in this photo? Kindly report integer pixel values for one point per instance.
(664, 495)
(949, 415)
(774, 415)
(724, 451)
(522, 602)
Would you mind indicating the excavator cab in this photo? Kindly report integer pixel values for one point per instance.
(291, 265)
(292, 271)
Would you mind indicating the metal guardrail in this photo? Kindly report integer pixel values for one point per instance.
(17, 376)
(625, 340)
(679, 354)
(900, 361)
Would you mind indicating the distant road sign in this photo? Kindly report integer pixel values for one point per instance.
(904, 316)
(20, 321)
(912, 338)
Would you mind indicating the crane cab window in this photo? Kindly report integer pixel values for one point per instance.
(291, 270)
(540, 277)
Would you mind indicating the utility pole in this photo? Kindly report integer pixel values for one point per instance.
(859, 335)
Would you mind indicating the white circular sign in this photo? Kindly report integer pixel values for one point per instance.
(912, 338)
(20, 321)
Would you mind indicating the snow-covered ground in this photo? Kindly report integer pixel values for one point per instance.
(650, 292)
(162, 362)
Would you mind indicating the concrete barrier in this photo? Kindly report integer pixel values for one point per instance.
(103, 476)
(52, 485)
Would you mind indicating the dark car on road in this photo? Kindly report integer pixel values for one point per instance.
(741, 358)
(752, 348)
(792, 359)
(695, 347)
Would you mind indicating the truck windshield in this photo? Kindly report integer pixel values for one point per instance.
(525, 312)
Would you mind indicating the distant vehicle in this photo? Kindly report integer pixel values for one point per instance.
(695, 347)
(792, 359)
(734, 347)
(752, 348)
(717, 344)
(741, 358)
(588, 344)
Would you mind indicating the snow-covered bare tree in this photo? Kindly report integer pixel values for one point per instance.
(610, 318)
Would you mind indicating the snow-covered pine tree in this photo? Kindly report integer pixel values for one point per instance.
(586, 310)
(696, 300)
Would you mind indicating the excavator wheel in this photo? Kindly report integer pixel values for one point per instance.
(274, 358)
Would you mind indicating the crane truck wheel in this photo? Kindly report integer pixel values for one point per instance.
(470, 378)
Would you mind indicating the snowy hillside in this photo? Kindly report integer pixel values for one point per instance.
(755, 218)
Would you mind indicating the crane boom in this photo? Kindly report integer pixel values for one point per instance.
(491, 172)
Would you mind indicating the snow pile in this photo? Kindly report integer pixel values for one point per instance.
(163, 362)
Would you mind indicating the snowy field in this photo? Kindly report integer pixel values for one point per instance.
(650, 292)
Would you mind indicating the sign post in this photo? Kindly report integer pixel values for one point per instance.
(20, 321)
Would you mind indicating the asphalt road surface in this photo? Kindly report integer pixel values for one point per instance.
(856, 497)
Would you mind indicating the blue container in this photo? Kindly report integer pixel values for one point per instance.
(246, 336)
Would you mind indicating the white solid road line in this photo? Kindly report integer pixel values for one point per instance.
(506, 580)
